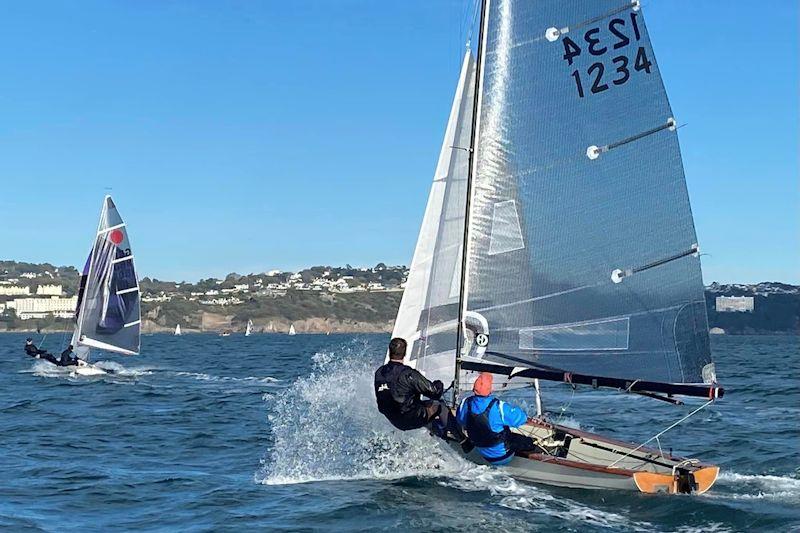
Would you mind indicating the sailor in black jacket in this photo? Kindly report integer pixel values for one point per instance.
(398, 390)
(36, 353)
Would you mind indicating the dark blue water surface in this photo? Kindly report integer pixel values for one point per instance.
(203, 433)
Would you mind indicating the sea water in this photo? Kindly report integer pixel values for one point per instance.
(203, 433)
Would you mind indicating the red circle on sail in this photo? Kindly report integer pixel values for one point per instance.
(116, 236)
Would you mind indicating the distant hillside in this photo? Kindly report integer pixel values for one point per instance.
(314, 312)
(337, 299)
(34, 274)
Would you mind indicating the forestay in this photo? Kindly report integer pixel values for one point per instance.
(582, 251)
(108, 312)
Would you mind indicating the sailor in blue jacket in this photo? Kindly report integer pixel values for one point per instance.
(487, 421)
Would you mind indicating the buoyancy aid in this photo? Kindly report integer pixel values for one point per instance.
(478, 427)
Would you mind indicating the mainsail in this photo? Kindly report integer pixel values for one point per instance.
(581, 253)
(177, 329)
(108, 312)
(582, 250)
(249, 329)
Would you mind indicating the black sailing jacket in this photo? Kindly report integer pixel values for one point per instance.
(397, 390)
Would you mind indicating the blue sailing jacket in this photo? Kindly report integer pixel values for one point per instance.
(501, 415)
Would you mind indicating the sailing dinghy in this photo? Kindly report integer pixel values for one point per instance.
(177, 330)
(558, 241)
(108, 315)
(249, 329)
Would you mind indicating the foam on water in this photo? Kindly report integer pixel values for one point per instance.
(325, 427)
(512, 494)
(201, 376)
(119, 370)
(731, 485)
(114, 369)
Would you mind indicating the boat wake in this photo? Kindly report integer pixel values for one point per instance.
(512, 494)
(201, 376)
(735, 486)
(111, 368)
(117, 369)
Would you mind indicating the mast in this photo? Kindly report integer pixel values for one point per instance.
(462, 301)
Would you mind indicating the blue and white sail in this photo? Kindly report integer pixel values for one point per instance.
(108, 315)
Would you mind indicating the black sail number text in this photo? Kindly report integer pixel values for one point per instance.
(626, 61)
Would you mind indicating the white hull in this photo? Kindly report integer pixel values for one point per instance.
(582, 460)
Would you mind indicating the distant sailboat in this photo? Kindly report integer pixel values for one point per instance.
(249, 329)
(558, 241)
(177, 329)
(108, 314)
(292, 330)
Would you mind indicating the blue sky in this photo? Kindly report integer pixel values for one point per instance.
(244, 136)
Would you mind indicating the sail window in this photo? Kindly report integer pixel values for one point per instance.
(506, 232)
(608, 334)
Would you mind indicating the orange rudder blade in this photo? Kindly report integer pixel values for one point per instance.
(705, 478)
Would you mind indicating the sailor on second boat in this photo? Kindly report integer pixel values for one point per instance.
(68, 358)
(37, 353)
(487, 421)
(398, 389)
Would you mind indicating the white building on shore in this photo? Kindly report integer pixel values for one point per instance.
(27, 308)
(740, 304)
(49, 290)
(14, 290)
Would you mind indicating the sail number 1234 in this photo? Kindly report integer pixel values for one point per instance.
(598, 77)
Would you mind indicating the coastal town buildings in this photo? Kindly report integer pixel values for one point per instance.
(28, 308)
(49, 290)
(14, 290)
(730, 304)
